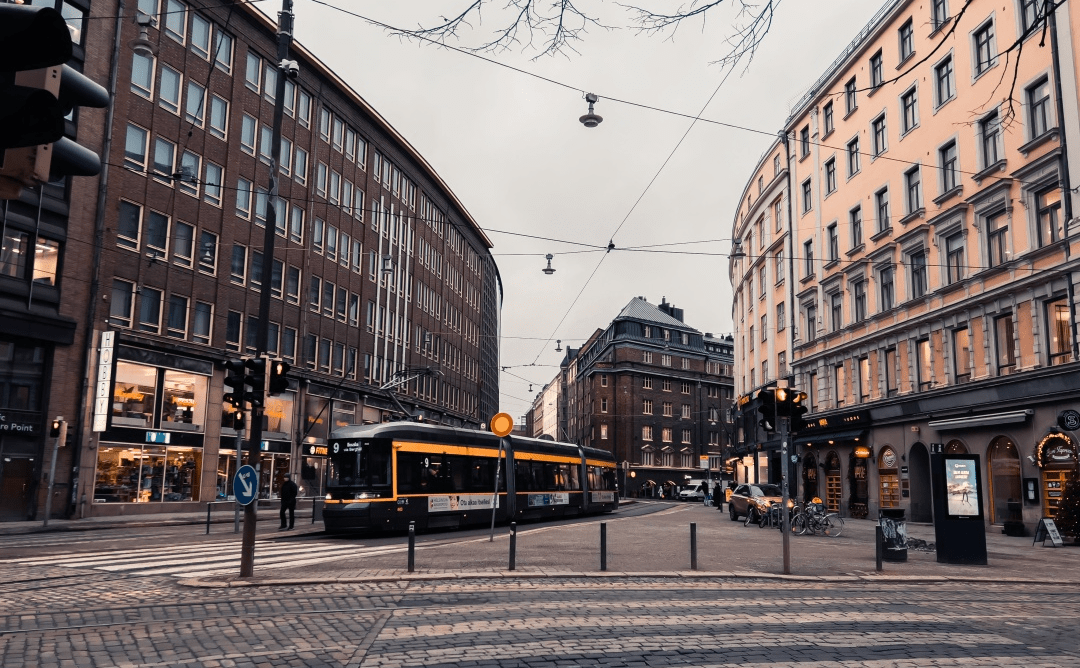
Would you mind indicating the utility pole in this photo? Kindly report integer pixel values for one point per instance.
(285, 68)
(785, 523)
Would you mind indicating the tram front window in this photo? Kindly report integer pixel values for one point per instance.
(359, 469)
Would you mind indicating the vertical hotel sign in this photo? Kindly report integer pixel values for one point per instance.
(103, 385)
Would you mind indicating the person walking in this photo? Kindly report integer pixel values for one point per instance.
(289, 490)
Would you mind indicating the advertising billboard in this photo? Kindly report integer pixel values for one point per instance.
(962, 492)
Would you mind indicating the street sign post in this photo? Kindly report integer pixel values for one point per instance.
(246, 485)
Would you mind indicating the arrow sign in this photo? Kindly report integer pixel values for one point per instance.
(245, 485)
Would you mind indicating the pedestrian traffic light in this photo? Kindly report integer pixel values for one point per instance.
(279, 380)
(255, 380)
(767, 408)
(37, 93)
(234, 382)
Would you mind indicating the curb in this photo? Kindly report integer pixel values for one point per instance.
(201, 583)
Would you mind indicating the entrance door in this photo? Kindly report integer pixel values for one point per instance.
(809, 477)
(1004, 478)
(834, 484)
(922, 507)
(16, 476)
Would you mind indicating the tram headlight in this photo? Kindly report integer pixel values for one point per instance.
(328, 497)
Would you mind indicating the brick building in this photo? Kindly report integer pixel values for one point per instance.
(652, 390)
(149, 275)
(909, 260)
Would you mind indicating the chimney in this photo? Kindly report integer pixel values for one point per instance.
(670, 309)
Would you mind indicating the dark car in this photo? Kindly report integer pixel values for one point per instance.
(758, 496)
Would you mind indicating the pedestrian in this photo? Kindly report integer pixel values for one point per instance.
(289, 491)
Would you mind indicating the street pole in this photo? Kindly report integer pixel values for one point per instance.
(52, 466)
(262, 332)
(785, 524)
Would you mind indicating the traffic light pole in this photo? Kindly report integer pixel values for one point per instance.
(785, 513)
(262, 332)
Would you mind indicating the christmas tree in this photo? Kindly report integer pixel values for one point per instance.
(1067, 517)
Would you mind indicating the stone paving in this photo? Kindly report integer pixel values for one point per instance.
(465, 610)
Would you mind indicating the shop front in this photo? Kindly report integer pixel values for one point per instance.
(888, 478)
(1056, 457)
(22, 429)
(810, 477)
(325, 409)
(151, 451)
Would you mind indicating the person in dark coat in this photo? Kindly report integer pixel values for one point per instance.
(289, 490)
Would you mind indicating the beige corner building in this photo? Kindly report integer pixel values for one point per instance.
(907, 254)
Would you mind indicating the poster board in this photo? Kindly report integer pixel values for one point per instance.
(1047, 529)
(962, 493)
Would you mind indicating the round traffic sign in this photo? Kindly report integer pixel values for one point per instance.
(502, 424)
(245, 484)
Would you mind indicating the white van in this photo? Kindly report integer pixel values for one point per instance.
(695, 490)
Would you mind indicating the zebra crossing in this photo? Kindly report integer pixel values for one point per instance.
(206, 560)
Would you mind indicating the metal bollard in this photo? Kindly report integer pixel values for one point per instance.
(879, 539)
(412, 546)
(513, 545)
(603, 546)
(693, 546)
(208, 519)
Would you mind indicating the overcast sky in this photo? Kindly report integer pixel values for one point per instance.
(511, 147)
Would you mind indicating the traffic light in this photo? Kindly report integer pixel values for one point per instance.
(796, 410)
(279, 380)
(256, 380)
(234, 381)
(767, 408)
(54, 430)
(37, 92)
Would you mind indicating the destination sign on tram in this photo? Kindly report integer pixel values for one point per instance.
(348, 446)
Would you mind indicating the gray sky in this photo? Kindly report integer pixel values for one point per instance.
(511, 147)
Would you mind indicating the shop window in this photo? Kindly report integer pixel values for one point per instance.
(21, 371)
(183, 401)
(889, 478)
(133, 395)
(147, 474)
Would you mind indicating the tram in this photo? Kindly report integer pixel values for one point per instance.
(382, 477)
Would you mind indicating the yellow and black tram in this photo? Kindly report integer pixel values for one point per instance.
(381, 477)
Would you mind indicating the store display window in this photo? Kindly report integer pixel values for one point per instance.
(147, 474)
(133, 395)
(344, 414)
(316, 418)
(889, 478)
(184, 401)
(279, 414)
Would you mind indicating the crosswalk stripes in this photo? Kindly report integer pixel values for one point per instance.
(204, 560)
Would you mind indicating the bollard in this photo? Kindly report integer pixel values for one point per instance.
(693, 546)
(412, 546)
(513, 545)
(208, 519)
(879, 538)
(603, 546)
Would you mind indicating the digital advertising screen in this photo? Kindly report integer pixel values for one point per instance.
(962, 487)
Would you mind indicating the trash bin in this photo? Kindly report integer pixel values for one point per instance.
(894, 534)
(1014, 519)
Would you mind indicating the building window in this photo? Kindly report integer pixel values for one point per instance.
(1038, 100)
(807, 197)
(647, 383)
(149, 310)
(808, 258)
(827, 115)
(804, 141)
(954, 257)
(765, 328)
(647, 407)
(923, 367)
(1059, 331)
(989, 137)
(949, 172)
(603, 405)
(647, 357)
(881, 204)
(855, 220)
(811, 322)
(997, 230)
(876, 76)
(917, 262)
(169, 89)
(909, 104)
(864, 379)
(1048, 214)
(891, 387)
(907, 40)
(913, 188)
(253, 72)
(939, 12)
(603, 432)
(1031, 13)
(834, 243)
(1005, 344)
(985, 48)
(176, 325)
(780, 324)
(830, 176)
(961, 349)
(666, 436)
(836, 301)
(646, 435)
(878, 135)
(849, 96)
(840, 384)
(603, 380)
(779, 266)
(853, 157)
(142, 75)
(135, 148)
(944, 86)
(886, 289)
(120, 310)
(858, 299)
(685, 411)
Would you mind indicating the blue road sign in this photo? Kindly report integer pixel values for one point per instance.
(246, 485)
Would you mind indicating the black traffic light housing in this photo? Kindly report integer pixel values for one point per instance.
(767, 408)
(234, 381)
(255, 380)
(54, 429)
(279, 378)
(796, 410)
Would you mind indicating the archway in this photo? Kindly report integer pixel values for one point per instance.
(1056, 457)
(955, 447)
(1004, 464)
(809, 477)
(889, 478)
(922, 506)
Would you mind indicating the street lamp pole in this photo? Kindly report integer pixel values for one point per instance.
(262, 332)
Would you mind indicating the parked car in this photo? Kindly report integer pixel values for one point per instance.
(695, 491)
(757, 497)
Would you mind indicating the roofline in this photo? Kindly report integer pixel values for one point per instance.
(323, 68)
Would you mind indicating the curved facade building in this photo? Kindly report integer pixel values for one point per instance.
(910, 258)
(379, 269)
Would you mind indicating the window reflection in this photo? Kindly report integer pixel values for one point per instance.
(45, 255)
(184, 401)
(133, 395)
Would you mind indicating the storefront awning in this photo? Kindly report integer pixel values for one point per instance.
(834, 438)
(1008, 417)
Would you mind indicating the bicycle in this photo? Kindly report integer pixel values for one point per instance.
(814, 519)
